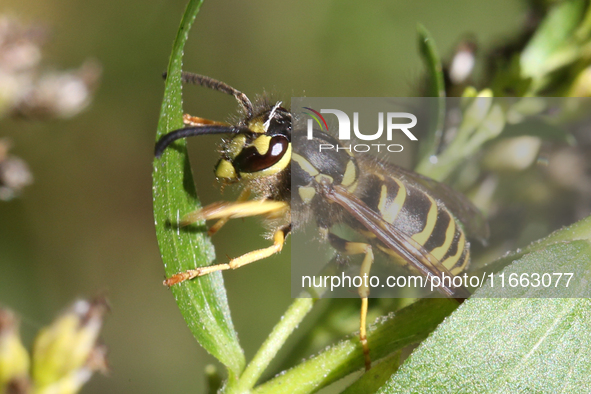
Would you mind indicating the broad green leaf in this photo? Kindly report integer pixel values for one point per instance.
(407, 326)
(580, 230)
(510, 345)
(202, 301)
(518, 280)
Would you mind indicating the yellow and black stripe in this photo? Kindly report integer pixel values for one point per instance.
(399, 201)
(420, 216)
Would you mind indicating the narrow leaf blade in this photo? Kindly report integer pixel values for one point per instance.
(430, 55)
(202, 301)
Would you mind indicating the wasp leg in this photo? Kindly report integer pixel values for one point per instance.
(197, 121)
(352, 248)
(250, 257)
(220, 223)
(238, 209)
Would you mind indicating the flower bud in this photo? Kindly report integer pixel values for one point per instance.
(66, 353)
(14, 358)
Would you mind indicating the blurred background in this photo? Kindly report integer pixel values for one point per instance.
(85, 225)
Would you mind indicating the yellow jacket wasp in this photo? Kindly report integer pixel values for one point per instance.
(407, 216)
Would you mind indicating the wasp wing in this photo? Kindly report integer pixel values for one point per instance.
(394, 239)
(471, 218)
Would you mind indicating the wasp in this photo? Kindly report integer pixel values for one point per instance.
(413, 219)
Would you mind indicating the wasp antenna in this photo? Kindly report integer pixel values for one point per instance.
(169, 138)
(202, 80)
(220, 86)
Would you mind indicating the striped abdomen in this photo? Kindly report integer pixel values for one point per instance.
(418, 215)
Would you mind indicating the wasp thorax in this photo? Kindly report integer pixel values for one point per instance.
(312, 168)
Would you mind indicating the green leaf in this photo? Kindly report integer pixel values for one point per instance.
(202, 301)
(580, 230)
(372, 380)
(508, 345)
(548, 263)
(504, 346)
(552, 35)
(288, 323)
(428, 50)
(407, 326)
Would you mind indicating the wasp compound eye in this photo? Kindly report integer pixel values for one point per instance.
(264, 153)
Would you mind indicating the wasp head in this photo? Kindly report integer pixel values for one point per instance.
(260, 149)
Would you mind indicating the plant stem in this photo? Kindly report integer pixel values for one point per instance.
(288, 323)
(409, 325)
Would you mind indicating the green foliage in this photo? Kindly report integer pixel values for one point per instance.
(202, 301)
(389, 334)
(554, 45)
(503, 346)
(483, 120)
(428, 51)
(292, 318)
(553, 58)
(517, 343)
(376, 377)
(488, 345)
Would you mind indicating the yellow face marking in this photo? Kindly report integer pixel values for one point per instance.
(262, 144)
(440, 251)
(256, 126)
(235, 146)
(274, 169)
(350, 174)
(452, 260)
(306, 193)
(305, 164)
(225, 169)
(390, 214)
(424, 235)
